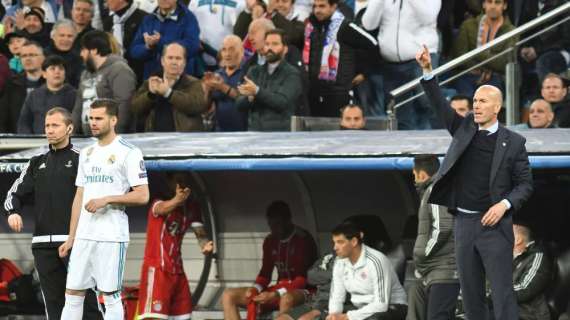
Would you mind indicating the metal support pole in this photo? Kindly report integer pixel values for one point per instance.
(512, 92)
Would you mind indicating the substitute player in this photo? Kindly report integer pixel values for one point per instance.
(111, 175)
(164, 291)
(289, 249)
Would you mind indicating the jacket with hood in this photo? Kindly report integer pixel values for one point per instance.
(434, 250)
(403, 26)
(113, 80)
(39, 102)
(181, 27)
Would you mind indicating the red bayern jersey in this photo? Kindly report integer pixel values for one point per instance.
(165, 234)
(291, 257)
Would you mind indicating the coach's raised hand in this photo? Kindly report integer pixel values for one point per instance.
(424, 59)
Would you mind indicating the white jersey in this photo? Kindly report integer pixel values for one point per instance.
(219, 16)
(372, 283)
(108, 171)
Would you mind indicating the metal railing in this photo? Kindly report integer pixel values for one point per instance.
(512, 81)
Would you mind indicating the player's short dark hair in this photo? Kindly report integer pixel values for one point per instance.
(426, 162)
(111, 106)
(53, 60)
(67, 119)
(278, 209)
(350, 106)
(280, 33)
(97, 40)
(461, 97)
(348, 229)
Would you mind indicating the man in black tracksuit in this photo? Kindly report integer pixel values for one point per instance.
(328, 28)
(49, 179)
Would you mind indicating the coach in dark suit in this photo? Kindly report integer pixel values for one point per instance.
(484, 178)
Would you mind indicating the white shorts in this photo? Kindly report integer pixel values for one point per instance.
(96, 264)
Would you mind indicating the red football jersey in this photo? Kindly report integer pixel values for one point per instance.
(291, 257)
(164, 235)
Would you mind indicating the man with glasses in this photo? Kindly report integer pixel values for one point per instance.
(20, 85)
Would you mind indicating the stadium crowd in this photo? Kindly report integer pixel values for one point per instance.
(230, 71)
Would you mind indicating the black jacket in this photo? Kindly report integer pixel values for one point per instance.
(510, 176)
(350, 37)
(73, 64)
(48, 179)
(130, 30)
(11, 102)
(562, 113)
(532, 273)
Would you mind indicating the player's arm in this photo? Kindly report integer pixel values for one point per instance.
(163, 208)
(206, 245)
(138, 196)
(75, 213)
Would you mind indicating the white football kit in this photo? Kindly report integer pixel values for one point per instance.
(99, 250)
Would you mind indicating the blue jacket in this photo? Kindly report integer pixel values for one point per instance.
(182, 27)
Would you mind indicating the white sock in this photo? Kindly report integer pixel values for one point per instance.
(114, 307)
(73, 308)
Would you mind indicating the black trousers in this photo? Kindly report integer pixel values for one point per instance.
(485, 253)
(435, 302)
(52, 271)
(328, 105)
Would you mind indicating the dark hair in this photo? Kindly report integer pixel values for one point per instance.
(278, 209)
(279, 32)
(350, 106)
(96, 40)
(67, 119)
(349, 230)
(460, 97)
(426, 162)
(111, 106)
(333, 2)
(174, 43)
(33, 43)
(53, 60)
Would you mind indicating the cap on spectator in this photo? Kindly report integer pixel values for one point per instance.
(36, 11)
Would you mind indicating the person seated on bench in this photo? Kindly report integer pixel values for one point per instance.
(290, 249)
(532, 270)
(368, 276)
(352, 118)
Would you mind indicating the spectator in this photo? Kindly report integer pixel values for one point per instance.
(352, 118)
(106, 76)
(434, 295)
(223, 85)
(170, 22)
(540, 116)
(401, 28)
(293, 28)
(461, 104)
(367, 275)
(4, 72)
(63, 35)
(532, 273)
(171, 101)
(220, 17)
(16, 12)
(476, 32)
(82, 13)
(123, 22)
(35, 28)
(15, 40)
(555, 91)
(271, 92)
(53, 93)
(329, 54)
(290, 249)
(20, 85)
(548, 52)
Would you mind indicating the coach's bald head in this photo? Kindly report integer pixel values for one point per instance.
(487, 103)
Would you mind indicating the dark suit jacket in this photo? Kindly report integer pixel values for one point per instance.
(510, 176)
(130, 30)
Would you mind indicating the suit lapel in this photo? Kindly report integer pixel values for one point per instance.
(500, 149)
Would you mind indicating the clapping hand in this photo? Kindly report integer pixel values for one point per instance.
(248, 88)
(157, 85)
(151, 40)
